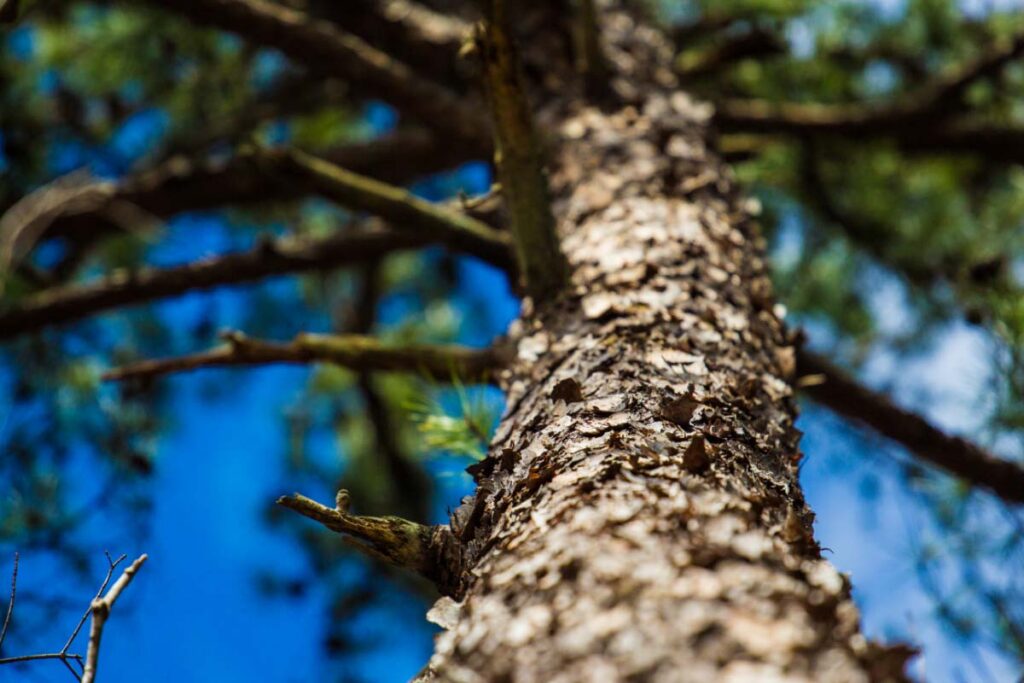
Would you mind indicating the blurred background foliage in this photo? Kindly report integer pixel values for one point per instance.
(904, 266)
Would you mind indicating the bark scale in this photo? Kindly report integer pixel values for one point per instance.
(639, 516)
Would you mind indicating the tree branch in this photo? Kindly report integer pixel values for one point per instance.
(324, 48)
(61, 305)
(99, 608)
(755, 43)
(429, 42)
(402, 209)
(356, 352)
(427, 550)
(524, 183)
(990, 141)
(959, 457)
(100, 612)
(180, 185)
(929, 105)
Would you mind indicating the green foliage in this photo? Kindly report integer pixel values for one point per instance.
(461, 426)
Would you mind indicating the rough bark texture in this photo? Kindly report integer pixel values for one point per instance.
(639, 517)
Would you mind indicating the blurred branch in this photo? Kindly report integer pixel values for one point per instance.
(324, 48)
(752, 44)
(427, 550)
(292, 94)
(991, 141)
(61, 305)
(519, 156)
(928, 105)
(684, 34)
(356, 352)
(99, 609)
(959, 457)
(426, 40)
(408, 478)
(403, 210)
(181, 184)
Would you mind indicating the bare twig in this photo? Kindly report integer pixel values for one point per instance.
(352, 351)
(955, 455)
(100, 612)
(10, 603)
(99, 608)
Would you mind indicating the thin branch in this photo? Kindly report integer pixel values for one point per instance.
(524, 181)
(100, 612)
(427, 550)
(928, 105)
(324, 48)
(955, 455)
(357, 352)
(67, 304)
(99, 609)
(112, 566)
(10, 603)
(401, 208)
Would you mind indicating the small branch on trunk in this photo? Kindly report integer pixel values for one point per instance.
(357, 352)
(519, 157)
(61, 305)
(400, 207)
(929, 105)
(959, 457)
(424, 549)
(324, 48)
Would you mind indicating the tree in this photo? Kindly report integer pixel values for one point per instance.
(638, 513)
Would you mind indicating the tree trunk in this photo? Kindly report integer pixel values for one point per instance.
(639, 517)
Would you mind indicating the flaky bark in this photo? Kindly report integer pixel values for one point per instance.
(639, 516)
